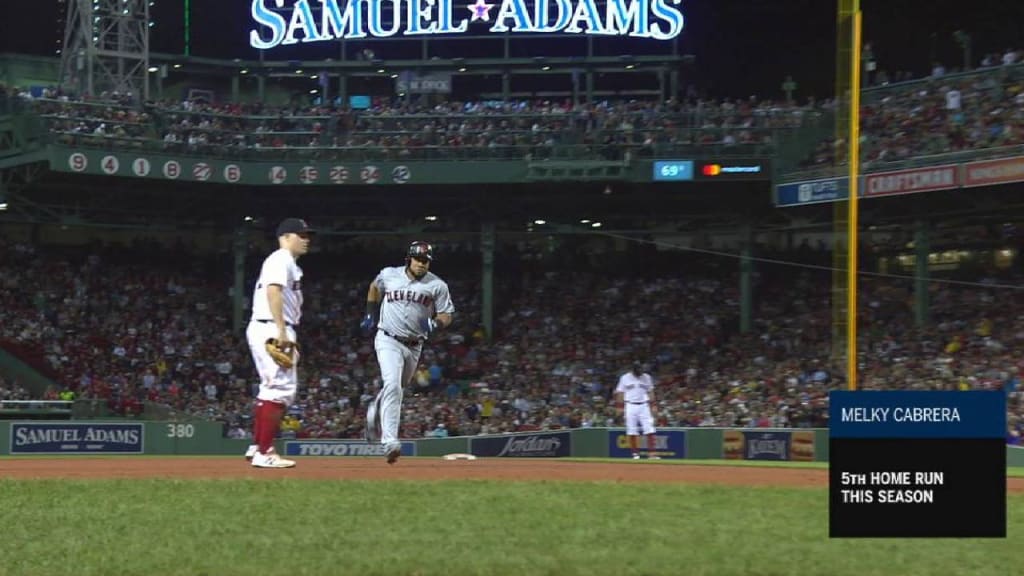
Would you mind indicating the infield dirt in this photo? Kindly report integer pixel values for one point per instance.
(419, 469)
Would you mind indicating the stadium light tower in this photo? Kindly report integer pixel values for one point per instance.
(106, 47)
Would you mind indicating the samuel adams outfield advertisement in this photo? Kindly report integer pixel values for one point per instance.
(48, 438)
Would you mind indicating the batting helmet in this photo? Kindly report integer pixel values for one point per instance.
(420, 249)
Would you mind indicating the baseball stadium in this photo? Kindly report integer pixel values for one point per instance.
(560, 287)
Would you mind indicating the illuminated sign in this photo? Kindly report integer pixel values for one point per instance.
(283, 22)
(672, 170)
(718, 169)
(739, 170)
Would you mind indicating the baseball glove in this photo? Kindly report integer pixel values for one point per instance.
(282, 351)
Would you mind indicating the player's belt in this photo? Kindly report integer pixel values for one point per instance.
(636, 402)
(410, 342)
(288, 324)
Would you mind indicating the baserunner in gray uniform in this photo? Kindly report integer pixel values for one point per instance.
(407, 304)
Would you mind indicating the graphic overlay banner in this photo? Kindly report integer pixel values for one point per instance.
(917, 464)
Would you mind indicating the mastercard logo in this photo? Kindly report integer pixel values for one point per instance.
(712, 169)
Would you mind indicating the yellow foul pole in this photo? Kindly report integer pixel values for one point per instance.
(851, 235)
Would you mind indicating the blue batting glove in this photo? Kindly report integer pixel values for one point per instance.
(367, 324)
(429, 325)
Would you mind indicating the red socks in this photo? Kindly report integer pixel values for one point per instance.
(257, 422)
(267, 422)
(652, 443)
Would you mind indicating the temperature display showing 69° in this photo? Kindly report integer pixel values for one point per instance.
(673, 170)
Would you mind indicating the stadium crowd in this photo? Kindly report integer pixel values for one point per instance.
(939, 114)
(144, 326)
(539, 128)
(936, 115)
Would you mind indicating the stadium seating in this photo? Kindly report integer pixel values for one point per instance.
(517, 130)
(138, 325)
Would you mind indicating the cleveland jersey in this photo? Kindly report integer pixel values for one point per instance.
(635, 389)
(406, 301)
(279, 268)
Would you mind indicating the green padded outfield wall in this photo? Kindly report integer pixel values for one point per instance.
(440, 446)
(704, 443)
(206, 438)
(590, 443)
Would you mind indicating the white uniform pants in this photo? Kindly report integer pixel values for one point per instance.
(397, 366)
(638, 416)
(276, 383)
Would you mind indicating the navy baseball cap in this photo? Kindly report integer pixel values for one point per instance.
(293, 226)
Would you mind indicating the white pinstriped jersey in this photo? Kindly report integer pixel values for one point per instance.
(635, 388)
(279, 268)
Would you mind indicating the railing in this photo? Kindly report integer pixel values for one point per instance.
(915, 162)
(37, 405)
(1012, 72)
(997, 78)
(368, 136)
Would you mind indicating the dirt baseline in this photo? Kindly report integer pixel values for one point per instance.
(419, 469)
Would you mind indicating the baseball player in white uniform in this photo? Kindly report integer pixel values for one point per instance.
(635, 392)
(276, 313)
(407, 304)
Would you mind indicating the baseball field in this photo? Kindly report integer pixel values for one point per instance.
(218, 516)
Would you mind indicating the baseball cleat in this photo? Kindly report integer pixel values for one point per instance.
(253, 449)
(636, 456)
(393, 452)
(654, 457)
(271, 460)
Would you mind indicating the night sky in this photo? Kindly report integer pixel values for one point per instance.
(742, 47)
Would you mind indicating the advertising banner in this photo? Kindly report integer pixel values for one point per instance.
(801, 446)
(765, 445)
(812, 191)
(341, 448)
(753, 169)
(928, 179)
(991, 172)
(51, 438)
(430, 83)
(668, 444)
(540, 445)
(732, 445)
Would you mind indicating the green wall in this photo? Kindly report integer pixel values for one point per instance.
(206, 438)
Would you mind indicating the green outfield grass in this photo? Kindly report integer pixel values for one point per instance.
(298, 527)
